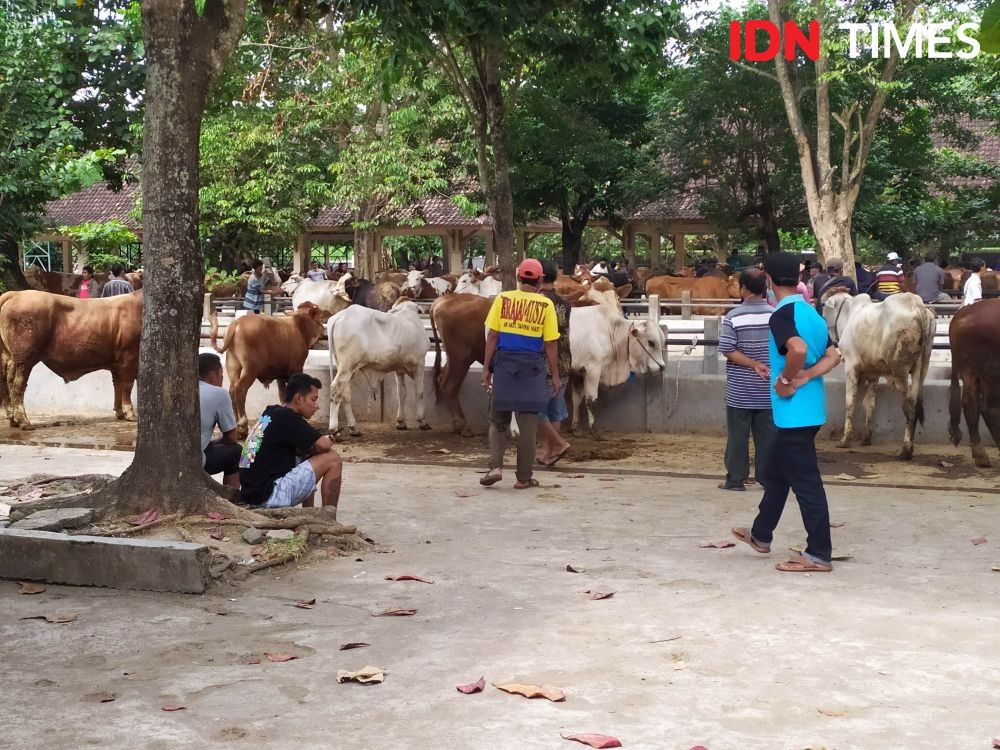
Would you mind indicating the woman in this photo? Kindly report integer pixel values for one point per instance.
(88, 287)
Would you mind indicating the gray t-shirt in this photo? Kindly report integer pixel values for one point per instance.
(216, 409)
(930, 281)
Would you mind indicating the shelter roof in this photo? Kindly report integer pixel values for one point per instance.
(97, 204)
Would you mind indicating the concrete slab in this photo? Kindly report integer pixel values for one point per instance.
(55, 519)
(147, 564)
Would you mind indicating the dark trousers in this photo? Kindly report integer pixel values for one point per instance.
(224, 457)
(740, 424)
(792, 465)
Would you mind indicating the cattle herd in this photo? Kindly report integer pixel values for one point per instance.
(374, 328)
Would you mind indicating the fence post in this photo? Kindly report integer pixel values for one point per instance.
(711, 352)
(656, 402)
(654, 315)
(686, 304)
(206, 307)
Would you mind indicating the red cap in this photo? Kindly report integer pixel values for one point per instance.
(529, 269)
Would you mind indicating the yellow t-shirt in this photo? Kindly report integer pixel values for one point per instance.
(524, 321)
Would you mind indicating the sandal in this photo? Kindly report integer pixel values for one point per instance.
(746, 537)
(526, 485)
(799, 564)
(555, 459)
(488, 480)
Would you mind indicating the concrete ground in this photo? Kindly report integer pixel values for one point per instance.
(897, 648)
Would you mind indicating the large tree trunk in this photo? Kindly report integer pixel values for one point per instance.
(10, 262)
(502, 210)
(185, 54)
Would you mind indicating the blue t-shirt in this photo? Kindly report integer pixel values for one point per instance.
(795, 317)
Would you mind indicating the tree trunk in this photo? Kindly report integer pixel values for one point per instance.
(572, 242)
(769, 234)
(185, 54)
(10, 262)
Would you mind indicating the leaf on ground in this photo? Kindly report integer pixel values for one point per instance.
(222, 611)
(845, 477)
(460, 493)
(249, 659)
(396, 613)
(56, 618)
(837, 524)
(351, 646)
(278, 658)
(407, 578)
(216, 516)
(440, 451)
(29, 496)
(173, 707)
(717, 545)
(679, 665)
(30, 588)
(99, 697)
(996, 742)
(608, 479)
(837, 554)
(571, 569)
(946, 464)
(996, 567)
(832, 712)
(594, 740)
(979, 540)
(303, 603)
(148, 517)
(699, 747)
(571, 476)
(473, 687)
(365, 675)
(531, 691)
(598, 595)
(218, 534)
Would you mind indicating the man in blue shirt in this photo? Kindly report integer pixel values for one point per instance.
(253, 299)
(801, 353)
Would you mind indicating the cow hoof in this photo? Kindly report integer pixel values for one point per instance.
(906, 454)
(425, 426)
(354, 432)
(27, 427)
(867, 440)
(465, 432)
(983, 462)
(843, 443)
(401, 426)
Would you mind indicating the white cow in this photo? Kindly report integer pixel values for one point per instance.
(376, 343)
(292, 284)
(329, 296)
(415, 281)
(475, 282)
(894, 339)
(606, 348)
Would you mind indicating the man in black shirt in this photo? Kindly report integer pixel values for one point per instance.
(272, 472)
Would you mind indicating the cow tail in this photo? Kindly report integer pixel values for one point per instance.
(955, 406)
(4, 359)
(923, 365)
(437, 357)
(227, 340)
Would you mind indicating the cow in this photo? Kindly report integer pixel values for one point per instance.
(705, 287)
(71, 337)
(458, 325)
(374, 344)
(422, 287)
(378, 295)
(893, 339)
(266, 348)
(291, 283)
(606, 348)
(974, 334)
(584, 293)
(484, 283)
(135, 278)
(57, 282)
(329, 296)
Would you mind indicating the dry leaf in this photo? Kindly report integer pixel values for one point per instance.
(440, 451)
(351, 646)
(594, 740)
(365, 675)
(148, 517)
(396, 613)
(608, 479)
(217, 534)
(216, 516)
(249, 659)
(979, 540)
(571, 569)
(173, 707)
(31, 588)
(99, 697)
(280, 657)
(473, 687)
(460, 493)
(996, 742)
(845, 477)
(679, 665)
(56, 618)
(407, 578)
(717, 545)
(837, 524)
(598, 595)
(571, 476)
(945, 464)
(831, 712)
(217, 611)
(303, 603)
(531, 691)
(29, 496)
(996, 567)
(837, 554)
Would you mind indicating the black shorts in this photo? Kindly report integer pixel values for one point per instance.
(224, 457)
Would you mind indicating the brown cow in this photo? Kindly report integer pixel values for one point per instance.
(266, 348)
(57, 282)
(576, 293)
(974, 334)
(71, 337)
(458, 324)
(706, 287)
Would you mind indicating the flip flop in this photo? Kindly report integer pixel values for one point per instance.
(526, 485)
(490, 479)
(746, 537)
(555, 459)
(799, 564)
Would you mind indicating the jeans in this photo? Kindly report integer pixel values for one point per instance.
(527, 423)
(792, 464)
(740, 423)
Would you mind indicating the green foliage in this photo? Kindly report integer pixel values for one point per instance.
(989, 29)
(103, 241)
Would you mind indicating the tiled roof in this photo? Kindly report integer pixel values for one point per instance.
(683, 207)
(434, 210)
(95, 204)
(986, 146)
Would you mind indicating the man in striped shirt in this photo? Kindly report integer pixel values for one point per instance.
(744, 342)
(889, 279)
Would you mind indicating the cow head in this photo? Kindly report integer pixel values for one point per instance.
(645, 352)
(289, 287)
(310, 319)
(733, 286)
(836, 311)
(414, 282)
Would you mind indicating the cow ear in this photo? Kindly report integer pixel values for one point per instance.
(624, 291)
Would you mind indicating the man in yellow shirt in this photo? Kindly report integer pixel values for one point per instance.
(522, 332)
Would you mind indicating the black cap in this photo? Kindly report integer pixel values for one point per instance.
(783, 268)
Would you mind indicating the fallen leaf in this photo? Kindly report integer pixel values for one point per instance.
(440, 451)
(717, 545)
(148, 517)
(407, 578)
(531, 691)
(594, 740)
(699, 747)
(571, 569)
(29, 496)
(946, 464)
(460, 493)
(31, 588)
(396, 613)
(99, 697)
(217, 611)
(996, 567)
(303, 603)
(996, 742)
(249, 659)
(473, 687)
(837, 554)
(598, 595)
(216, 516)
(57, 618)
(837, 524)
(831, 712)
(217, 534)
(173, 707)
(608, 479)
(679, 665)
(350, 646)
(845, 477)
(365, 675)
(667, 640)
(979, 540)
(571, 476)
(280, 657)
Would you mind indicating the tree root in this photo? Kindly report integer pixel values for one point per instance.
(130, 530)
